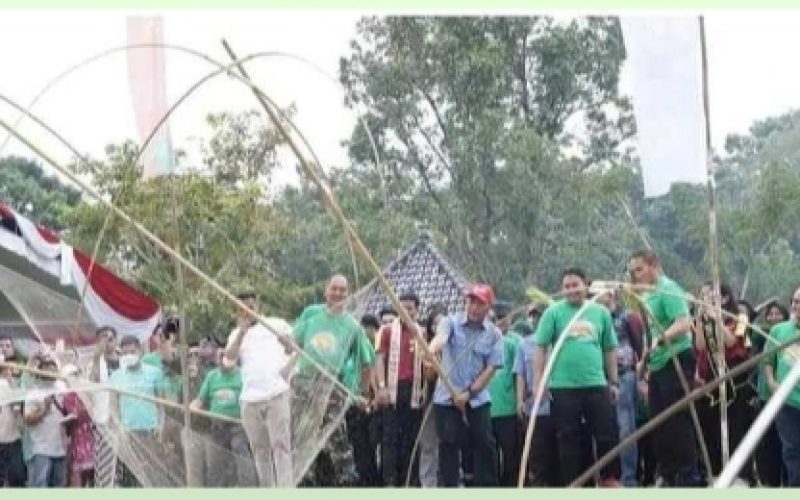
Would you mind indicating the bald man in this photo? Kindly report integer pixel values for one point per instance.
(335, 341)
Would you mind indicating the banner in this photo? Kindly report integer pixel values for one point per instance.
(147, 78)
(665, 66)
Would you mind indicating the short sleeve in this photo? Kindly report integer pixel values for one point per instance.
(204, 394)
(519, 362)
(496, 355)
(367, 352)
(609, 335)
(674, 307)
(546, 329)
(231, 338)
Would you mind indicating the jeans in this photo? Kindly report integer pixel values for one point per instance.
(47, 472)
(569, 408)
(626, 420)
(506, 432)
(788, 423)
(400, 428)
(227, 457)
(674, 443)
(268, 428)
(12, 466)
(429, 476)
(474, 438)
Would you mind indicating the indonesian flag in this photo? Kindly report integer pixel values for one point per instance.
(146, 75)
(665, 66)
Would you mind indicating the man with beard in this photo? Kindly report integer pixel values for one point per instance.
(334, 340)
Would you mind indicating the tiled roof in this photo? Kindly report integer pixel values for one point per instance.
(421, 269)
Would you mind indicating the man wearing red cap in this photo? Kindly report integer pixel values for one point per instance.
(471, 348)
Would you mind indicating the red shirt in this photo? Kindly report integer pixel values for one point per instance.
(733, 355)
(405, 368)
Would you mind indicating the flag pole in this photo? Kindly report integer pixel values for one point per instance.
(716, 298)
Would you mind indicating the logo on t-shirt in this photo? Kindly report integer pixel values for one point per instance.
(582, 331)
(323, 342)
(225, 397)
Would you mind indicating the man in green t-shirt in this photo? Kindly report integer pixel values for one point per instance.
(336, 341)
(583, 384)
(788, 419)
(502, 390)
(668, 334)
(219, 394)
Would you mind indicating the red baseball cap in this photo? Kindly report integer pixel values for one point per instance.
(482, 292)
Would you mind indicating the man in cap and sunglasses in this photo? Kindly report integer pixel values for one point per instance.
(471, 349)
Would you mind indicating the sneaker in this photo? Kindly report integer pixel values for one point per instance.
(610, 483)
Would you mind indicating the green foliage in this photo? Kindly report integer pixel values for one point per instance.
(39, 197)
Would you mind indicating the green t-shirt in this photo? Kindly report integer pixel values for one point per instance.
(221, 390)
(665, 305)
(154, 359)
(336, 341)
(581, 361)
(502, 388)
(785, 359)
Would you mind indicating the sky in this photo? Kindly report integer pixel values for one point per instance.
(752, 73)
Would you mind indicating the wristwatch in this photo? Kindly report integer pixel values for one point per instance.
(472, 393)
(614, 383)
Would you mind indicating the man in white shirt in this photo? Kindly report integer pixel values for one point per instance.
(47, 467)
(12, 466)
(265, 398)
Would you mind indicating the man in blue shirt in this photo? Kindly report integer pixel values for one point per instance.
(471, 348)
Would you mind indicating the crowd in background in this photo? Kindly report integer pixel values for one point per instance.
(621, 361)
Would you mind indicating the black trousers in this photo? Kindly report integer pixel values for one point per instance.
(543, 470)
(400, 429)
(475, 437)
(674, 441)
(769, 460)
(12, 467)
(507, 433)
(365, 445)
(570, 408)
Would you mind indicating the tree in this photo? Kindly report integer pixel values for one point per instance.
(39, 197)
(474, 120)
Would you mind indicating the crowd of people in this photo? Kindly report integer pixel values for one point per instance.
(617, 360)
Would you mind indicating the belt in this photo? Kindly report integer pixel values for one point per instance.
(625, 369)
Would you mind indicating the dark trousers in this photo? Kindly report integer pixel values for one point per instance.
(400, 429)
(477, 433)
(543, 471)
(365, 445)
(12, 466)
(769, 462)
(788, 424)
(740, 418)
(570, 408)
(507, 433)
(674, 440)
(647, 461)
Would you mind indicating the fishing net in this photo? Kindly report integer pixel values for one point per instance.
(211, 451)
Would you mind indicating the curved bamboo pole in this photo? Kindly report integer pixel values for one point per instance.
(542, 386)
(675, 408)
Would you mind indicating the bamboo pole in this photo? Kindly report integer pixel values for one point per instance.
(330, 201)
(167, 249)
(714, 250)
(675, 408)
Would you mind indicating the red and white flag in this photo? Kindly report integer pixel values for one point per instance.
(147, 78)
(664, 63)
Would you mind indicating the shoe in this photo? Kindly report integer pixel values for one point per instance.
(610, 483)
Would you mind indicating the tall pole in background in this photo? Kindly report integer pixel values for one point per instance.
(713, 246)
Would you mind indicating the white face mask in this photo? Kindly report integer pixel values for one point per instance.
(128, 360)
